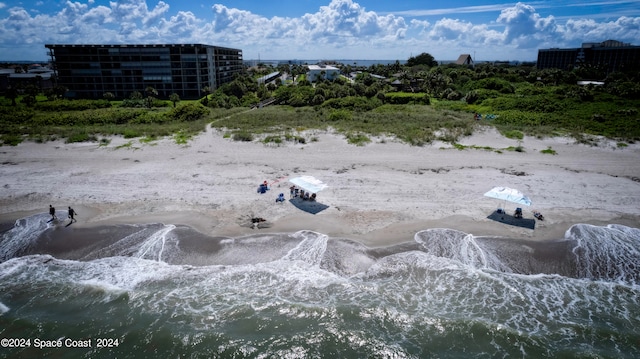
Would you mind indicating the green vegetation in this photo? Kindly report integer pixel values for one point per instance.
(549, 151)
(357, 139)
(417, 103)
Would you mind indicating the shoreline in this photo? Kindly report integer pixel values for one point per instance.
(335, 227)
(379, 194)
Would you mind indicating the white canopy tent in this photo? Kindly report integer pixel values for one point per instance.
(308, 183)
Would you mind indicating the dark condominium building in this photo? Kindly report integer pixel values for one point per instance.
(90, 71)
(611, 55)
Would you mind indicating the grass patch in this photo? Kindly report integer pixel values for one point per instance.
(295, 138)
(357, 139)
(461, 147)
(549, 151)
(243, 136)
(272, 139)
(148, 139)
(127, 145)
(182, 137)
(515, 148)
(81, 137)
(10, 140)
(513, 134)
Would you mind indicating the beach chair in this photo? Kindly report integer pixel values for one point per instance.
(538, 215)
(518, 213)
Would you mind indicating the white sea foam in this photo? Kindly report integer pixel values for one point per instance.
(458, 246)
(311, 249)
(3, 308)
(609, 253)
(23, 235)
(154, 246)
(450, 277)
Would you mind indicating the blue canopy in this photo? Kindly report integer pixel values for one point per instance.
(308, 183)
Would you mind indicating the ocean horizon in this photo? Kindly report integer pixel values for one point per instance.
(166, 290)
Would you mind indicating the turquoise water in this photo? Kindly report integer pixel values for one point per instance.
(165, 291)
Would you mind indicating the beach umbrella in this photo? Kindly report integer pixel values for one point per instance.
(308, 183)
(509, 194)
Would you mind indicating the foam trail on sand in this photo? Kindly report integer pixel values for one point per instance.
(459, 246)
(155, 244)
(149, 242)
(610, 253)
(310, 250)
(23, 235)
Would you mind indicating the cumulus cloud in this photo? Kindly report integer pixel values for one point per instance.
(526, 28)
(340, 29)
(586, 30)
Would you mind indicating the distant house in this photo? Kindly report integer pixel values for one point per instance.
(322, 71)
(464, 59)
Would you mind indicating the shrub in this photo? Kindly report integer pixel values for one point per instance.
(513, 134)
(10, 139)
(340, 115)
(272, 139)
(187, 112)
(16, 114)
(243, 136)
(130, 133)
(354, 103)
(357, 139)
(80, 137)
(71, 105)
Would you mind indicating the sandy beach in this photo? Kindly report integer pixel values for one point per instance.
(379, 193)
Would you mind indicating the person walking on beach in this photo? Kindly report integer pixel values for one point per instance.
(52, 212)
(72, 213)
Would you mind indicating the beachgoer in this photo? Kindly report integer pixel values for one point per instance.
(72, 213)
(52, 212)
(292, 191)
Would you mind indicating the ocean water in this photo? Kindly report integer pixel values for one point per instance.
(166, 291)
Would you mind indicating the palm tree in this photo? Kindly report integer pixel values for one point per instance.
(175, 98)
(151, 93)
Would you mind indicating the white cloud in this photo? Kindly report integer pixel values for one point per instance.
(624, 28)
(524, 27)
(340, 29)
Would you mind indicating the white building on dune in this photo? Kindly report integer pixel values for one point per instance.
(322, 71)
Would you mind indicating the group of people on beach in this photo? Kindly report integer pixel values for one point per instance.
(304, 195)
(71, 212)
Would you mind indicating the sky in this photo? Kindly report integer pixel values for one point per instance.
(322, 29)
